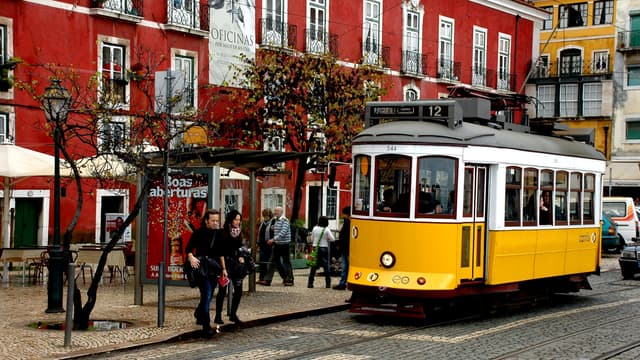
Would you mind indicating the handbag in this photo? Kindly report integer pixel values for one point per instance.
(312, 259)
(194, 276)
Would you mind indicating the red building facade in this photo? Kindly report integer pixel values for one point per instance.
(426, 49)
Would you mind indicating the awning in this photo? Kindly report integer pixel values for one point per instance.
(622, 174)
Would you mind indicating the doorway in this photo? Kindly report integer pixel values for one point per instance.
(27, 220)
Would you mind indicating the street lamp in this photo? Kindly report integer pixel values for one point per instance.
(56, 101)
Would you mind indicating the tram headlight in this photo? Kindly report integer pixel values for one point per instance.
(387, 259)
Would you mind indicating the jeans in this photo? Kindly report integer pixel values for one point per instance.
(345, 269)
(323, 260)
(280, 260)
(206, 294)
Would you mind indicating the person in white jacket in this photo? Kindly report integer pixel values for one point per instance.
(321, 235)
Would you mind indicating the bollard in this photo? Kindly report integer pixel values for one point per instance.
(71, 270)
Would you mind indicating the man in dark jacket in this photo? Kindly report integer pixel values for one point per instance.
(343, 242)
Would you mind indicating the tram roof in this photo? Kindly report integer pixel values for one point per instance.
(469, 134)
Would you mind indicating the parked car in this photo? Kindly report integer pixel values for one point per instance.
(623, 212)
(611, 240)
(629, 263)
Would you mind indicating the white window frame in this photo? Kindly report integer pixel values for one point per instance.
(372, 25)
(479, 57)
(272, 197)
(411, 92)
(608, 15)
(547, 24)
(634, 119)
(504, 62)
(180, 60)
(7, 49)
(446, 54)
(600, 62)
(568, 106)
(5, 129)
(592, 99)
(543, 66)
(636, 68)
(235, 197)
(124, 44)
(411, 39)
(275, 31)
(546, 105)
(318, 25)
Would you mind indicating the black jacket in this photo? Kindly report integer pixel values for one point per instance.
(202, 242)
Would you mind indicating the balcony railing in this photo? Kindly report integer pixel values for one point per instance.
(414, 63)
(600, 66)
(321, 42)
(628, 40)
(376, 55)
(127, 7)
(505, 80)
(478, 76)
(278, 33)
(192, 15)
(448, 70)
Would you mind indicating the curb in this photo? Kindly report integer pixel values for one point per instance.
(196, 334)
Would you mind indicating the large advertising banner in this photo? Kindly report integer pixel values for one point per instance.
(189, 196)
(233, 30)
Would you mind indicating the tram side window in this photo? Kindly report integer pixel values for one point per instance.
(361, 184)
(546, 200)
(575, 183)
(587, 199)
(436, 182)
(393, 185)
(560, 199)
(531, 203)
(513, 186)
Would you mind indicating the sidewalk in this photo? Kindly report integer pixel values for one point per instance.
(24, 305)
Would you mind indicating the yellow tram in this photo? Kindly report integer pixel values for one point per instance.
(445, 206)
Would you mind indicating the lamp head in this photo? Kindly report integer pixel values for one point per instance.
(56, 101)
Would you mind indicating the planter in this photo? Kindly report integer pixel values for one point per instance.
(299, 263)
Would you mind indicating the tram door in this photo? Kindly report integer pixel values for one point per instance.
(473, 227)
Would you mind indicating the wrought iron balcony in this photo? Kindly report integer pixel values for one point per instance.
(321, 42)
(414, 63)
(505, 81)
(478, 76)
(124, 7)
(278, 33)
(628, 41)
(448, 70)
(188, 14)
(375, 54)
(572, 67)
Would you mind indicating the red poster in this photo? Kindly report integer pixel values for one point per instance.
(188, 199)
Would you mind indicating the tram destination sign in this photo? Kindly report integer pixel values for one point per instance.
(447, 112)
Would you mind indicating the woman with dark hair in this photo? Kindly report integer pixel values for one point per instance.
(321, 235)
(235, 262)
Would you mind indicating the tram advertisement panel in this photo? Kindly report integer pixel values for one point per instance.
(189, 197)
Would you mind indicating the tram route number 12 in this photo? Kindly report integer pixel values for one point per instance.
(435, 111)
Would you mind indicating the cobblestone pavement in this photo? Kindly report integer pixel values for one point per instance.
(23, 305)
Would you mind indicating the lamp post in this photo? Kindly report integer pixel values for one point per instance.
(56, 101)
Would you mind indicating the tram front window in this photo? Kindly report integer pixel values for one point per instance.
(436, 185)
(393, 185)
(361, 184)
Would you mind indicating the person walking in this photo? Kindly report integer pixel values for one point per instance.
(280, 258)
(230, 248)
(343, 243)
(321, 235)
(201, 251)
(264, 234)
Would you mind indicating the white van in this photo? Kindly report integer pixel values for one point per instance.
(623, 212)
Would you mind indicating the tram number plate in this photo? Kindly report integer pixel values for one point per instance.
(391, 148)
(435, 111)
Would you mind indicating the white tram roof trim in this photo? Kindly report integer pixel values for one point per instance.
(428, 133)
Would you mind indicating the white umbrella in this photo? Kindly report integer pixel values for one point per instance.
(103, 166)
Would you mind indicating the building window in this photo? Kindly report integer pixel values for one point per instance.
(592, 99)
(275, 30)
(568, 99)
(5, 130)
(317, 34)
(603, 12)
(632, 131)
(570, 62)
(3, 44)
(547, 24)
(600, 63)
(185, 13)
(113, 79)
(112, 135)
(371, 44)
(445, 50)
(633, 76)
(412, 62)
(410, 95)
(504, 62)
(546, 100)
(479, 57)
(185, 65)
(573, 15)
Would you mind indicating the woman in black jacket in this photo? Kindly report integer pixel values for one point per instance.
(202, 247)
(230, 249)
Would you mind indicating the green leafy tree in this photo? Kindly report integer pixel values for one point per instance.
(312, 102)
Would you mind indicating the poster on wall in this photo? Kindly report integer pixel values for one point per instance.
(189, 196)
(233, 29)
